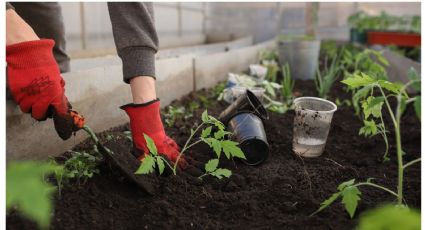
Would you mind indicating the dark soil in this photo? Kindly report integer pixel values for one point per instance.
(281, 193)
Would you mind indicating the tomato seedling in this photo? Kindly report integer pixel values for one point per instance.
(216, 140)
(349, 190)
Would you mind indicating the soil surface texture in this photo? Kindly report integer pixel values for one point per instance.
(281, 193)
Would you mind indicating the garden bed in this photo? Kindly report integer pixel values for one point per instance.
(279, 194)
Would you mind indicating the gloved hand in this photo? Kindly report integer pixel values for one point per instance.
(145, 119)
(36, 84)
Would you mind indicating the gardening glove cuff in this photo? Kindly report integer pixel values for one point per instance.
(31, 54)
(145, 119)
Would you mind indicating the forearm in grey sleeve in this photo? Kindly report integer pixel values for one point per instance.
(9, 6)
(135, 37)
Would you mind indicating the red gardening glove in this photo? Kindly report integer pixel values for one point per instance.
(145, 119)
(36, 84)
(34, 78)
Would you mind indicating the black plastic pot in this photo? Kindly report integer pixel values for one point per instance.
(247, 103)
(248, 131)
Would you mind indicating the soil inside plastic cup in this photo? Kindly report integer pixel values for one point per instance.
(312, 121)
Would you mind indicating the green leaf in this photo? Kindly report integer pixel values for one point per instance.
(350, 199)
(220, 173)
(147, 166)
(373, 106)
(220, 134)
(390, 86)
(390, 217)
(359, 80)
(269, 89)
(328, 202)
(28, 192)
(345, 184)
(206, 132)
(204, 116)
(214, 144)
(231, 149)
(369, 128)
(413, 75)
(403, 104)
(211, 165)
(160, 163)
(417, 106)
(151, 145)
(382, 59)
(275, 85)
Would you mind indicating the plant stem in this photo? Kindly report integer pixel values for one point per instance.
(396, 122)
(411, 163)
(163, 159)
(384, 136)
(377, 186)
(185, 147)
(200, 177)
(399, 153)
(194, 143)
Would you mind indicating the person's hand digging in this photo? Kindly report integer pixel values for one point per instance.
(145, 119)
(36, 84)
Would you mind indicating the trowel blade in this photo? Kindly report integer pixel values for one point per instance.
(128, 164)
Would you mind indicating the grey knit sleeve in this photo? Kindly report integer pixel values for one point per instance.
(9, 6)
(135, 37)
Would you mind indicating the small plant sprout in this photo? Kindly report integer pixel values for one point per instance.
(271, 96)
(341, 103)
(372, 106)
(326, 79)
(272, 70)
(287, 85)
(216, 140)
(80, 167)
(172, 114)
(193, 105)
(285, 88)
(268, 56)
(211, 168)
(217, 91)
(364, 61)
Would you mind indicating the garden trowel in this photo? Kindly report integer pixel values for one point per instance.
(123, 160)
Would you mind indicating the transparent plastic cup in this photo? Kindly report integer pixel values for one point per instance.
(240, 90)
(312, 121)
